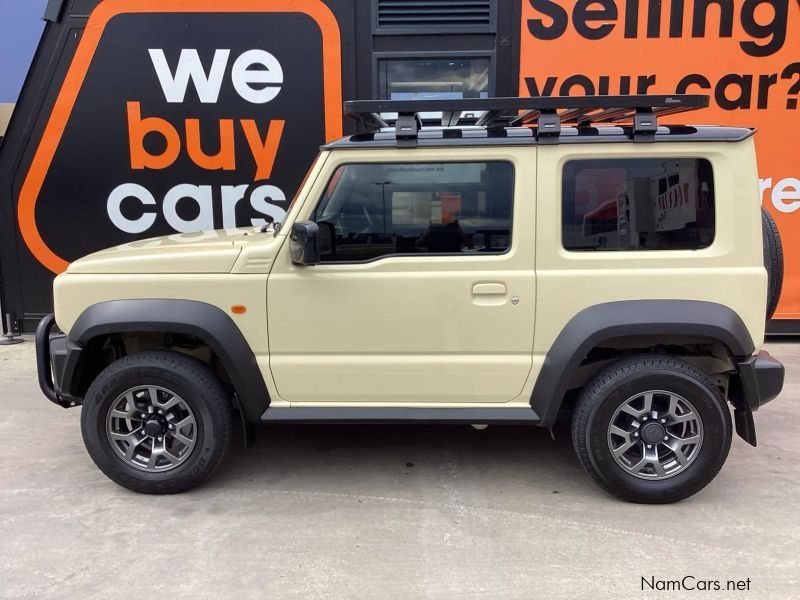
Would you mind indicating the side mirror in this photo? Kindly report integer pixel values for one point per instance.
(304, 243)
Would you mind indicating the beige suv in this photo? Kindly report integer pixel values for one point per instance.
(523, 261)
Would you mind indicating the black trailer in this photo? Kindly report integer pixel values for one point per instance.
(141, 118)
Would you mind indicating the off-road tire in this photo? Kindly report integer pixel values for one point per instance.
(773, 261)
(196, 385)
(613, 386)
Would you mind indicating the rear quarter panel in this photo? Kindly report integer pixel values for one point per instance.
(729, 272)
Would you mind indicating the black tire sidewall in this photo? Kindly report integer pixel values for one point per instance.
(713, 452)
(119, 378)
(773, 260)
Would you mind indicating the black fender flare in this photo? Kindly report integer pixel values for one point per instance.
(200, 319)
(601, 322)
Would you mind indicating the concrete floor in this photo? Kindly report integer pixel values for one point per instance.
(385, 512)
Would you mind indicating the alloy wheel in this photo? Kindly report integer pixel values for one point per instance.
(151, 428)
(655, 434)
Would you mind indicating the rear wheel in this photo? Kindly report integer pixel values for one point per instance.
(156, 422)
(651, 429)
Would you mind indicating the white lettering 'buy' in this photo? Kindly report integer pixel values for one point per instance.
(257, 76)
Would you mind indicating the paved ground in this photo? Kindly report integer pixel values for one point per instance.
(385, 512)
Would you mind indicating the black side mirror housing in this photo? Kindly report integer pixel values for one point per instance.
(304, 244)
(327, 235)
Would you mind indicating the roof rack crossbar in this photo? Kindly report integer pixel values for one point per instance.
(487, 118)
(578, 115)
(548, 112)
(370, 120)
(663, 111)
(526, 118)
(450, 118)
(614, 115)
(495, 118)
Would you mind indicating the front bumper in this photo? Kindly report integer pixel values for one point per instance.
(56, 361)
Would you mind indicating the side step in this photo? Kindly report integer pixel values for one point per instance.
(371, 414)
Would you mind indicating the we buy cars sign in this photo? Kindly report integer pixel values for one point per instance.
(745, 54)
(181, 116)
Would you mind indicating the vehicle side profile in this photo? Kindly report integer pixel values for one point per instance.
(527, 261)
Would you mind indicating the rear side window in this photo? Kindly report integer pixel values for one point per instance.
(638, 204)
(381, 209)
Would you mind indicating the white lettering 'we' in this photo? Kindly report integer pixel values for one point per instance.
(267, 76)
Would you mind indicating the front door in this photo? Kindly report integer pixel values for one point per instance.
(428, 292)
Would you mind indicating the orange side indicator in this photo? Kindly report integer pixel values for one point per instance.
(238, 309)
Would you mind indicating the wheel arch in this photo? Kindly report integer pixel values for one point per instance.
(204, 321)
(600, 323)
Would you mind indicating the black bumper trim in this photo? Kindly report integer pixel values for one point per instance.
(43, 366)
(54, 356)
(761, 378)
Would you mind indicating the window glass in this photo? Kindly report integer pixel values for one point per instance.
(433, 79)
(637, 204)
(425, 79)
(379, 209)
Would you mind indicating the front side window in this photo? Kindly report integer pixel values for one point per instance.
(380, 209)
(638, 204)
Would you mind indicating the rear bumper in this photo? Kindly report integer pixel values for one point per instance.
(761, 378)
(56, 359)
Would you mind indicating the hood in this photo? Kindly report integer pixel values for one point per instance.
(201, 252)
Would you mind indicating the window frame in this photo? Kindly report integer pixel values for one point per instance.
(610, 252)
(511, 238)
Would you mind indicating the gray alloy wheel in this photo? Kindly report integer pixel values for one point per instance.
(655, 435)
(151, 428)
(637, 401)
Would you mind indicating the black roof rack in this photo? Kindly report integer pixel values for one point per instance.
(547, 112)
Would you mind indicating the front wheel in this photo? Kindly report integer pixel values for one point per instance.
(651, 429)
(156, 422)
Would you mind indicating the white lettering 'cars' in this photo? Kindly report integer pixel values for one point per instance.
(201, 196)
(114, 208)
(260, 200)
(196, 212)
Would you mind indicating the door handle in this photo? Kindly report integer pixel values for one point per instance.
(489, 289)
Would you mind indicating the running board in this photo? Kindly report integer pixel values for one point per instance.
(368, 414)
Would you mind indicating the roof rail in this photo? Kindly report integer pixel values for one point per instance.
(547, 112)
